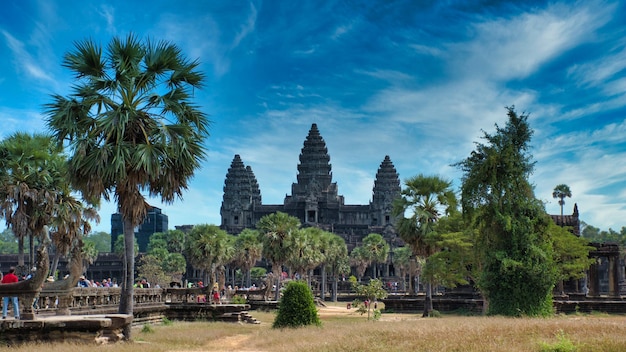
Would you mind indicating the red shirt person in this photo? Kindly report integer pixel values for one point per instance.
(8, 279)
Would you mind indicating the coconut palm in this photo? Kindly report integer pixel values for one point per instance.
(562, 191)
(275, 231)
(131, 129)
(424, 199)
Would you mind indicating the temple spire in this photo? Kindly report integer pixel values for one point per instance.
(386, 190)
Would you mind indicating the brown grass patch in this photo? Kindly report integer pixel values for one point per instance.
(346, 330)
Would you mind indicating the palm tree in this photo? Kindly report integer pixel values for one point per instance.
(208, 249)
(275, 231)
(131, 128)
(305, 251)
(31, 176)
(335, 261)
(248, 250)
(71, 222)
(561, 191)
(378, 250)
(360, 259)
(425, 198)
(402, 262)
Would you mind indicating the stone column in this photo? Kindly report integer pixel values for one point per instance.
(613, 277)
(594, 280)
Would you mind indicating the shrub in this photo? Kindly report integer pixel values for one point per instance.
(238, 299)
(296, 307)
(563, 344)
(147, 329)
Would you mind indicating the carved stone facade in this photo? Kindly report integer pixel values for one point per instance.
(314, 197)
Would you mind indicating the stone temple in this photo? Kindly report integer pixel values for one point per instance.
(314, 197)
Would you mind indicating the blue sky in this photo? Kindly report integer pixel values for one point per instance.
(415, 80)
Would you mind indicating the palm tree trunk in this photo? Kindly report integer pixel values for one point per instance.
(31, 250)
(126, 298)
(55, 262)
(20, 251)
(428, 302)
(277, 270)
(323, 288)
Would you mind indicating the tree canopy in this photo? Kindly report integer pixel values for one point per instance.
(513, 242)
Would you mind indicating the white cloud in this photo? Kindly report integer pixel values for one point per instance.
(108, 13)
(514, 48)
(24, 61)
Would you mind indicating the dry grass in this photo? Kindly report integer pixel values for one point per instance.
(345, 330)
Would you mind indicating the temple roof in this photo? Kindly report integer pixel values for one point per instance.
(314, 160)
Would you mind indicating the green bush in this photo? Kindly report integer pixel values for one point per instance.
(563, 344)
(296, 307)
(237, 299)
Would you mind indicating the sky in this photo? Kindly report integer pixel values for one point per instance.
(416, 80)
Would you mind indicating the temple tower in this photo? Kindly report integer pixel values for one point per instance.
(241, 196)
(386, 190)
(314, 190)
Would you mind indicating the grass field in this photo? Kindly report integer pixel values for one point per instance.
(345, 330)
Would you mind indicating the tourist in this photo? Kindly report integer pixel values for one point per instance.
(216, 297)
(8, 279)
(82, 282)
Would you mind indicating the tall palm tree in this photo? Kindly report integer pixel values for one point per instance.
(305, 251)
(378, 250)
(275, 231)
(402, 262)
(71, 222)
(360, 259)
(32, 172)
(208, 249)
(424, 199)
(335, 261)
(562, 191)
(132, 129)
(248, 250)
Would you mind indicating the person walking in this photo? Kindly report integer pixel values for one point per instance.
(8, 279)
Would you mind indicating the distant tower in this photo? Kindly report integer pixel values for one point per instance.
(386, 190)
(314, 189)
(155, 221)
(241, 195)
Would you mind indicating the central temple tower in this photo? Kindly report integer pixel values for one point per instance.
(314, 199)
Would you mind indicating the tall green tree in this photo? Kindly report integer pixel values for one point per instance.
(513, 242)
(131, 128)
(561, 192)
(335, 261)
(101, 239)
(275, 231)
(360, 259)
(248, 250)
(70, 224)
(32, 172)
(305, 251)
(571, 254)
(208, 248)
(402, 263)
(378, 250)
(424, 199)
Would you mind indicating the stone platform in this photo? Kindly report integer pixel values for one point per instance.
(76, 328)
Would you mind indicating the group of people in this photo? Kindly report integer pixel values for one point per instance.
(84, 282)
